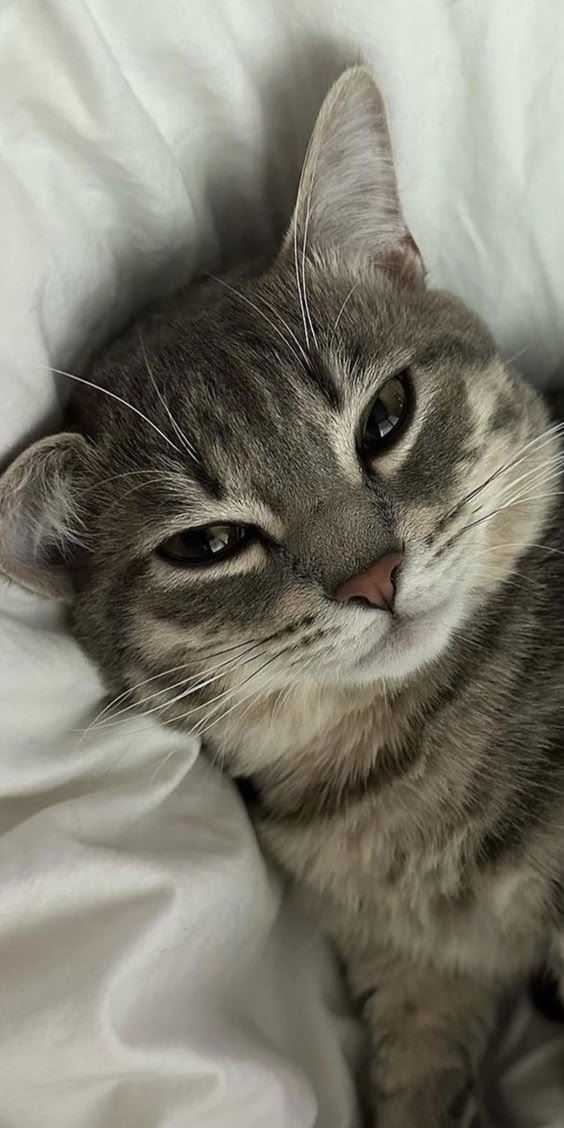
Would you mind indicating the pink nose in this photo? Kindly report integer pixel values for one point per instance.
(376, 585)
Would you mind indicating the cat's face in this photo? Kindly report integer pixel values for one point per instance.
(289, 431)
(292, 491)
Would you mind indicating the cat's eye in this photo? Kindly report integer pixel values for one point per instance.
(204, 545)
(387, 415)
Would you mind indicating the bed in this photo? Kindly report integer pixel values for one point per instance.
(154, 971)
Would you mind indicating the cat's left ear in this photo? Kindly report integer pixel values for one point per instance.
(42, 536)
(348, 201)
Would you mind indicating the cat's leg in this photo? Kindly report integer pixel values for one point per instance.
(428, 1033)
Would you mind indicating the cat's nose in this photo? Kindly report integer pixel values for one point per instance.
(376, 586)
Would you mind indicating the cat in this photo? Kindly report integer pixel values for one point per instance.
(309, 514)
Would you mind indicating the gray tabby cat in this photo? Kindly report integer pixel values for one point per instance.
(315, 519)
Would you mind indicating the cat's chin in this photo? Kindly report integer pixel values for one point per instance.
(409, 643)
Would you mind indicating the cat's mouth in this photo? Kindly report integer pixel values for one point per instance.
(396, 632)
(408, 639)
(404, 627)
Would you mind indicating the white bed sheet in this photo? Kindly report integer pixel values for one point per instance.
(153, 974)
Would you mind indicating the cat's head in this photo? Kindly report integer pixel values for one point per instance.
(316, 472)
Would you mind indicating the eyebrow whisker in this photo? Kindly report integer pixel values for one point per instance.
(114, 396)
(179, 433)
(243, 297)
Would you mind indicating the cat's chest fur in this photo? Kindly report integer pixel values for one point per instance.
(372, 883)
(370, 812)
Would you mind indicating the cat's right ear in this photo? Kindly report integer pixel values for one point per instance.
(348, 203)
(41, 535)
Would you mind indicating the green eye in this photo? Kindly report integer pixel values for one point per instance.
(205, 545)
(388, 414)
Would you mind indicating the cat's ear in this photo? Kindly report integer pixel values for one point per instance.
(41, 533)
(348, 201)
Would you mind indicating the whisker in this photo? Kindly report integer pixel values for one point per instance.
(261, 313)
(251, 697)
(272, 637)
(254, 696)
(512, 576)
(161, 709)
(163, 673)
(532, 544)
(519, 353)
(524, 493)
(179, 433)
(159, 476)
(230, 692)
(194, 731)
(555, 464)
(542, 440)
(162, 764)
(201, 731)
(124, 474)
(524, 498)
(301, 189)
(112, 395)
(495, 512)
(304, 250)
(342, 310)
(224, 669)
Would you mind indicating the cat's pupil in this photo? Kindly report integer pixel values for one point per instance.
(203, 545)
(387, 415)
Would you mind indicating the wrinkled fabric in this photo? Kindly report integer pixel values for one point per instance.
(154, 973)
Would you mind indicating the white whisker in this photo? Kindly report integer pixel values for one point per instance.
(304, 251)
(555, 464)
(179, 433)
(301, 188)
(540, 440)
(251, 697)
(519, 499)
(255, 693)
(517, 355)
(224, 668)
(525, 544)
(162, 674)
(342, 310)
(125, 474)
(261, 313)
(228, 693)
(112, 395)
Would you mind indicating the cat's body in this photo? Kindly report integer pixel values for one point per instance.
(436, 863)
(356, 818)
(311, 516)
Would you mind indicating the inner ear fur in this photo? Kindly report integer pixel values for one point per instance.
(41, 529)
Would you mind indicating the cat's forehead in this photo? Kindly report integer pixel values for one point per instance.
(264, 404)
(262, 380)
(271, 403)
(254, 355)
